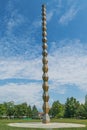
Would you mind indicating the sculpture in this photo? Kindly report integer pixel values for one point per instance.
(46, 118)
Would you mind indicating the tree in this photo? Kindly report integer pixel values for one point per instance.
(24, 109)
(71, 107)
(9, 106)
(21, 110)
(57, 109)
(2, 110)
(29, 111)
(86, 99)
(81, 113)
(85, 106)
(34, 112)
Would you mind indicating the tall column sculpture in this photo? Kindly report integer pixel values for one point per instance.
(46, 118)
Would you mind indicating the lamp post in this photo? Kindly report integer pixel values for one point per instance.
(46, 118)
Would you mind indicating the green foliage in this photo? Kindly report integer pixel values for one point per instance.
(86, 106)
(71, 107)
(29, 111)
(34, 112)
(81, 112)
(10, 110)
(86, 99)
(2, 110)
(57, 109)
(21, 110)
(9, 106)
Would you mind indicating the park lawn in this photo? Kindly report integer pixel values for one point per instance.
(4, 126)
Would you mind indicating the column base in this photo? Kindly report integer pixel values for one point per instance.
(46, 119)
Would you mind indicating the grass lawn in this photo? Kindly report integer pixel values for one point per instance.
(4, 126)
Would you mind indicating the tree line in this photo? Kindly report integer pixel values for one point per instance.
(10, 110)
(71, 109)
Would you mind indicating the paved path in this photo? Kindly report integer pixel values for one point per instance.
(50, 125)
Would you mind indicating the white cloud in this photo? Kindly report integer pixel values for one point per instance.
(69, 15)
(69, 70)
(53, 7)
(26, 46)
(67, 66)
(36, 24)
(19, 93)
(67, 59)
(64, 11)
(21, 34)
(15, 20)
(20, 69)
(50, 15)
(18, 21)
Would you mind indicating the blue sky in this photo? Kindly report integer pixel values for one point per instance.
(21, 49)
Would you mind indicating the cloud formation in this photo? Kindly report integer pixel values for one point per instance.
(20, 55)
(30, 93)
(65, 15)
(18, 68)
(67, 66)
(69, 15)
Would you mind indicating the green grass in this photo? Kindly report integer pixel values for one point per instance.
(4, 126)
